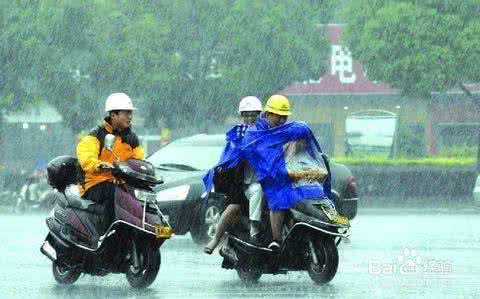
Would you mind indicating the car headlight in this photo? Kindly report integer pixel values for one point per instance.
(173, 194)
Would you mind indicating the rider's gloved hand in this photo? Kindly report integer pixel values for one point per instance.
(104, 166)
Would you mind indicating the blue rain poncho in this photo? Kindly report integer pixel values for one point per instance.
(231, 155)
(269, 153)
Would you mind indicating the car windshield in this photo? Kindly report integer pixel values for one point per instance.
(188, 154)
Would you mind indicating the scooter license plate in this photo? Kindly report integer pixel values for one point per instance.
(341, 220)
(162, 231)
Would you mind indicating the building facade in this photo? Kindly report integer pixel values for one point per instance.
(448, 119)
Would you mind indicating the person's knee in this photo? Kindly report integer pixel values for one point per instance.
(232, 213)
(277, 212)
(233, 208)
(237, 211)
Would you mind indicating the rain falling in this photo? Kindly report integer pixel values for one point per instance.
(235, 148)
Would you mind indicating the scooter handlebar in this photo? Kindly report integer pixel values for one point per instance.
(105, 167)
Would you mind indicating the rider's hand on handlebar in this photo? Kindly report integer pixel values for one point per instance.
(105, 166)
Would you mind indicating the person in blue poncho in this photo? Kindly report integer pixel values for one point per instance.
(277, 110)
(233, 180)
(287, 160)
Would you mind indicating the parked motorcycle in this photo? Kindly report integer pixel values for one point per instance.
(131, 243)
(312, 232)
(7, 197)
(35, 195)
(11, 184)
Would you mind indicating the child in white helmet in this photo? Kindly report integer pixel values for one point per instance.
(249, 109)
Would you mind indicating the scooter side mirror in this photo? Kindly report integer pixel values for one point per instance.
(109, 141)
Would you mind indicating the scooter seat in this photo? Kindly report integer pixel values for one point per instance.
(75, 201)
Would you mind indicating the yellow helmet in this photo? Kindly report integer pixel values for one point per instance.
(278, 104)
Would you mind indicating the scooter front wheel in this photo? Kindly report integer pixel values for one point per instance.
(248, 275)
(63, 274)
(145, 275)
(325, 268)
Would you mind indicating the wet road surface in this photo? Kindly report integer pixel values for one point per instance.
(392, 254)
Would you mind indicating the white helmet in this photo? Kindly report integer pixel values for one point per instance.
(249, 103)
(118, 101)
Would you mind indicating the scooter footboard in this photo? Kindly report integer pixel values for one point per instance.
(247, 248)
(249, 255)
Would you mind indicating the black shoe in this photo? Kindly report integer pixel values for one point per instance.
(207, 250)
(274, 246)
(210, 247)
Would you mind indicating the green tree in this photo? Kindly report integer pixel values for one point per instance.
(47, 55)
(219, 51)
(19, 39)
(417, 46)
(70, 56)
(19, 86)
(186, 63)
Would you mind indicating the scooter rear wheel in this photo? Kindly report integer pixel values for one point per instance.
(327, 255)
(63, 274)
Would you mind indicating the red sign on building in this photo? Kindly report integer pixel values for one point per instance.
(344, 75)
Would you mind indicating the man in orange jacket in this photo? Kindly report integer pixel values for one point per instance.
(99, 186)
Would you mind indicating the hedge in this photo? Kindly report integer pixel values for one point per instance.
(382, 161)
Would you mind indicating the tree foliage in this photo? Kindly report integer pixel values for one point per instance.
(416, 46)
(185, 63)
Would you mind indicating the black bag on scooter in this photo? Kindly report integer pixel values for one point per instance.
(230, 181)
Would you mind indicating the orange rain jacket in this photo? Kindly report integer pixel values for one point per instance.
(90, 152)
